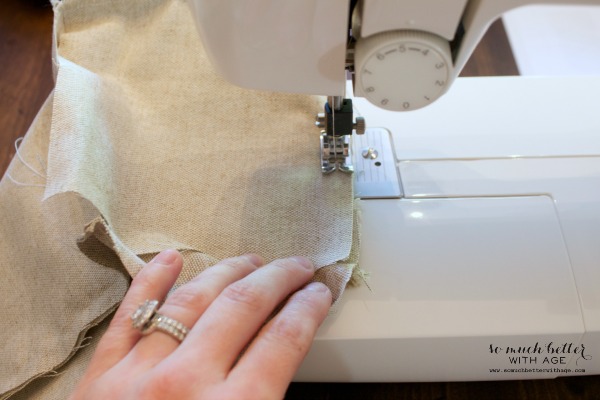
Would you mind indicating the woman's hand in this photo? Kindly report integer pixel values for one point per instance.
(229, 352)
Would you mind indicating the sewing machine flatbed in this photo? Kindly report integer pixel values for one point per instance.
(483, 244)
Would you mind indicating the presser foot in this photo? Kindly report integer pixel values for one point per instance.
(336, 138)
(335, 153)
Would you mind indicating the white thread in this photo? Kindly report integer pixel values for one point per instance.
(29, 167)
(13, 180)
(18, 154)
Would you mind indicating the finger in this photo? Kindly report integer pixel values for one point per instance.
(153, 282)
(233, 319)
(189, 301)
(275, 355)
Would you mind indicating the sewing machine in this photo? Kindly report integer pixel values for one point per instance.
(480, 212)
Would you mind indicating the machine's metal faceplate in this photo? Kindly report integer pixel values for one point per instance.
(375, 171)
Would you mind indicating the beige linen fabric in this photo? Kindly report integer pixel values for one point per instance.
(173, 156)
(145, 147)
(51, 292)
(58, 386)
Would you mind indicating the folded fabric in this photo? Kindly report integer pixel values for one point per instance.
(51, 291)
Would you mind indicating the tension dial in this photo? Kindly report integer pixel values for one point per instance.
(402, 70)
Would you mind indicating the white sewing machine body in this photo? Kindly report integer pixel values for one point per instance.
(480, 215)
(495, 242)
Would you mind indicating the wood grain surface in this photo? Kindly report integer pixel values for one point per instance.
(25, 68)
(26, 81)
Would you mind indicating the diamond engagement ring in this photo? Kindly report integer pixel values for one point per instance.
(147, 320)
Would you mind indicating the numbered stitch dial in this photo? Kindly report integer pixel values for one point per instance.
(402, 70)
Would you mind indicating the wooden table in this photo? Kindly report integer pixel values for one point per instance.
(26, 81)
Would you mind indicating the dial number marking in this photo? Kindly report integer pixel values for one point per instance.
(404, 73)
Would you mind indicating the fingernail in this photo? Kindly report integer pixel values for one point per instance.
(166, 257)
(305, 262)
(316, 287)
(255, 259)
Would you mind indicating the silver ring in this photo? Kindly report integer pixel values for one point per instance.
(147, 320)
